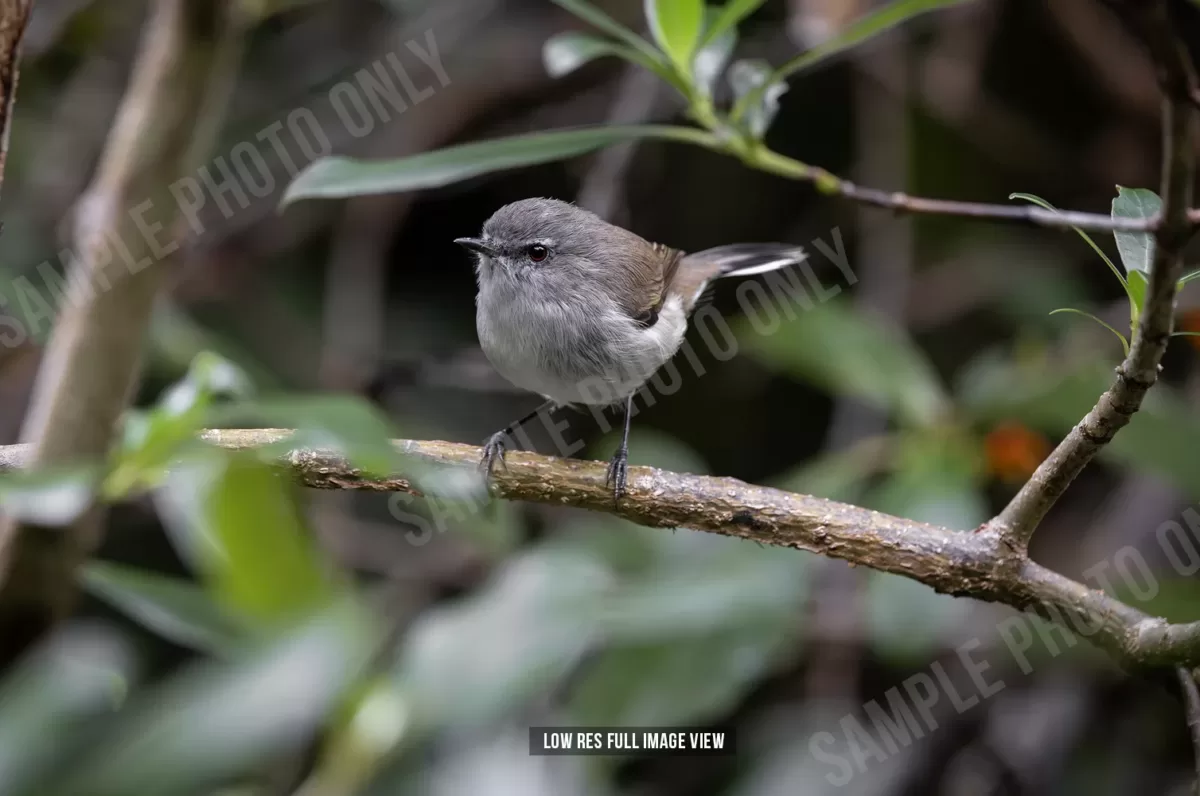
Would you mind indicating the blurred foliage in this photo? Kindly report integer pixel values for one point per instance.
(302, 676)
(679, 60)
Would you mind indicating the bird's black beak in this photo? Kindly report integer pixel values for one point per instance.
(476, 245)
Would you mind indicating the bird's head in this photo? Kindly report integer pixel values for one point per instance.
(537, 236)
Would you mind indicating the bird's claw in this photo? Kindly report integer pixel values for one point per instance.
(493, 453)
(618, 472)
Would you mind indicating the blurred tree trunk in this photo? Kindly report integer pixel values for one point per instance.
(124, 232)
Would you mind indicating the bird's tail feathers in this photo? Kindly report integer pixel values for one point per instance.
(748, 259)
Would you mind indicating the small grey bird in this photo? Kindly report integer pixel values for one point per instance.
(584, 312)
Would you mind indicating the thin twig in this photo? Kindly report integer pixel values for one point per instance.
(1138, 373)
(900, 202)
(1029, 214)
(1191, 701)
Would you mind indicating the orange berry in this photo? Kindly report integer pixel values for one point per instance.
(1014, 451)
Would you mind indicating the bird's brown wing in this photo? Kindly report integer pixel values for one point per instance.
(662, 271)
(652, 275)
(689, 277)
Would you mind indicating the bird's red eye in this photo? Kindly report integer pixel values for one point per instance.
(537, 252)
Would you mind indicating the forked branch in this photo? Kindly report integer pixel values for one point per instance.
(1138, 373)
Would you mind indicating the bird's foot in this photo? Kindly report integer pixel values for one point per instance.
(493, 454)
(618, 472)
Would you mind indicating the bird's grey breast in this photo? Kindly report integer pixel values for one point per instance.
(544, 338)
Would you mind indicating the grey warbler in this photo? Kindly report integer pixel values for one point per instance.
(581, 311)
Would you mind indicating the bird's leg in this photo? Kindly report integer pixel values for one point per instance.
(494, 447)
(618, 466)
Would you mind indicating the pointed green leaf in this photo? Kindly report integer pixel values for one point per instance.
(271, 569)
(860, 30)
(245, 532)
(863, 28)
(1121, 337)
(711, 58)
(174, 609)
(728, 18)
(341, 177)
(1135, 288)
(598, 19)
(1194, 275)
(150, 439)
(1136, 248)
(676, 25)
(566, 52)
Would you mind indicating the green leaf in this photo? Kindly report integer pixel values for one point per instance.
(1187, 278)
(1040, 202)
(863, 28)
(748, 78)
(341, 177)
(1135, 288)
(271, 569)
(51, 698)
(528, 621)
(174, 609)
(51, 497)
(1136, 248)
(218, 722)
(249, 538)
(151, 439)
(1121, 337)
(679, 682)
(566, 52)
(852, 353)
(711, 57)
(728, 18)
(598, 19)
(860, 30)
(676, 25)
